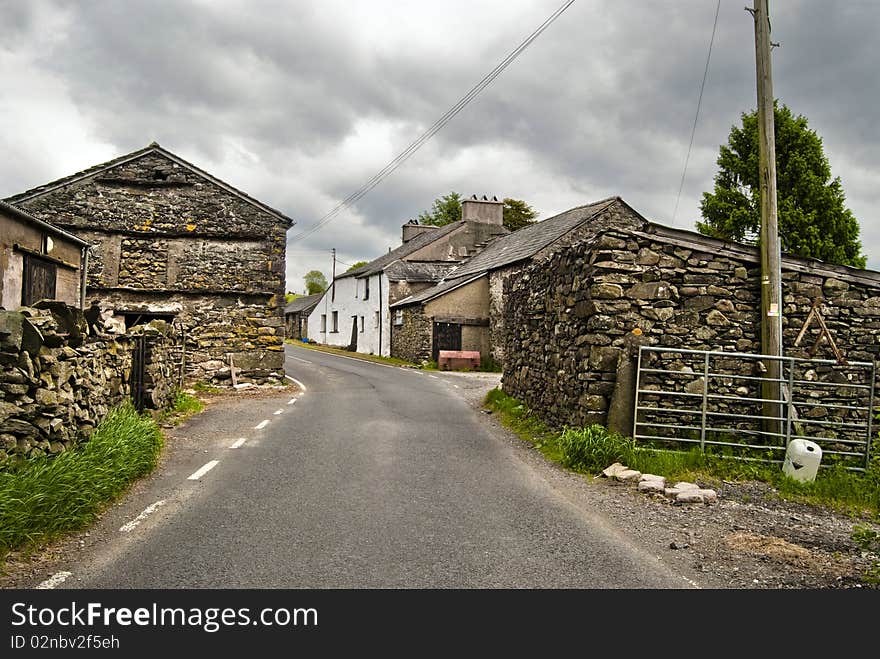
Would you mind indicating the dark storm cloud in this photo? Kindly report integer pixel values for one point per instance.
(602, 103)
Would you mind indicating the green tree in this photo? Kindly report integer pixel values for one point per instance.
(813, 221)
(289, 297)
(316, 282)
(447, 209)
(518, 214)
(357, 265)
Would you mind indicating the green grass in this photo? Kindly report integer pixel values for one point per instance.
(205, 388)
(185, 406)
(591, 449)
(44, 497)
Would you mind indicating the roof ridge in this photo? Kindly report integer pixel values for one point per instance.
(134, 155)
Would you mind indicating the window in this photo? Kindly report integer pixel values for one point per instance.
(335, 322)
(376, 320)
(323, 322)
(362, 324)
(367, 288)
(398, 317)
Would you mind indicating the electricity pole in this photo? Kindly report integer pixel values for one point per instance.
(771, 276)
(333, 277)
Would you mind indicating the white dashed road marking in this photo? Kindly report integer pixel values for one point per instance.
(149, 510)
(204, 470)
(291, 401)
(261, 424)
(304, 361)
(456, 386)
(277, 412)
(239, 442)
(54, 580)
(433, 376)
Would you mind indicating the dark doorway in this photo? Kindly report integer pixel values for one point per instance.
(447, 336)
(353, 344)
(39, 280)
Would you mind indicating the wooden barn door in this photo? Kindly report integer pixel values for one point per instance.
(447, 336)
(39, 280)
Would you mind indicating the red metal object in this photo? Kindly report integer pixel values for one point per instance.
(450, 360)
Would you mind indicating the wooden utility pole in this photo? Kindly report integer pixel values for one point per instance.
(771, 276)
(333, 277)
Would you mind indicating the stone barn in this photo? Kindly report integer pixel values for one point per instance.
(171, 241)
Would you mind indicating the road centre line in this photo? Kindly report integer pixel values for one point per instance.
(262, 424)
(291, 401)
(204, 470)
(54, 580)
(304, 361)
(433, 376)
(149, 510)
(277, 412)
(239, 442)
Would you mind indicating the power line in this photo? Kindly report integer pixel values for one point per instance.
(697, 115)
(428, 134)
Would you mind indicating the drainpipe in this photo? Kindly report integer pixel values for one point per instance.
(83, 275)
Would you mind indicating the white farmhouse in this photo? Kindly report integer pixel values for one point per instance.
(354, 311)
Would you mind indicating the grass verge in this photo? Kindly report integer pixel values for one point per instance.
(45, 497)
(185, 406)
(589, 450)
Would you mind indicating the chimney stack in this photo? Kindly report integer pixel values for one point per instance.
(412, 229)
(488, 211)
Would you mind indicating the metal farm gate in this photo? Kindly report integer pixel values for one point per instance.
(713, 400)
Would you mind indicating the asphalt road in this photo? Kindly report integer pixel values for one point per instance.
(374, 477)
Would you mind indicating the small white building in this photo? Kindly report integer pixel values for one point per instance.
(354, 311)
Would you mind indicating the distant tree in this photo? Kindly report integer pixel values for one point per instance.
(357, 265)
(518, 214)
(447, 209)
(289, 297)
(316, 282)
(812, 219)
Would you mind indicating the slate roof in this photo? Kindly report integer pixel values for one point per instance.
(530, 240)
(422, 240)
(512, 248)
(418, 271)
(153, 147)
(303, 303)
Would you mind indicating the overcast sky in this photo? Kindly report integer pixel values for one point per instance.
(299, 103)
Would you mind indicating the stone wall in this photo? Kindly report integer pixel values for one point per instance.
(215, 327)
(574, 320)
(57, 382)
(412, 340)
(167, 236)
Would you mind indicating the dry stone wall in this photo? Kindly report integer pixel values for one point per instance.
(412, 339)
(57, 382)
(572, 321)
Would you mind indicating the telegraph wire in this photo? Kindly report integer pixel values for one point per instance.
(428, 134)
(697, 115)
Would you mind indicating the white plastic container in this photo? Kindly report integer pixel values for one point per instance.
(802, 458)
